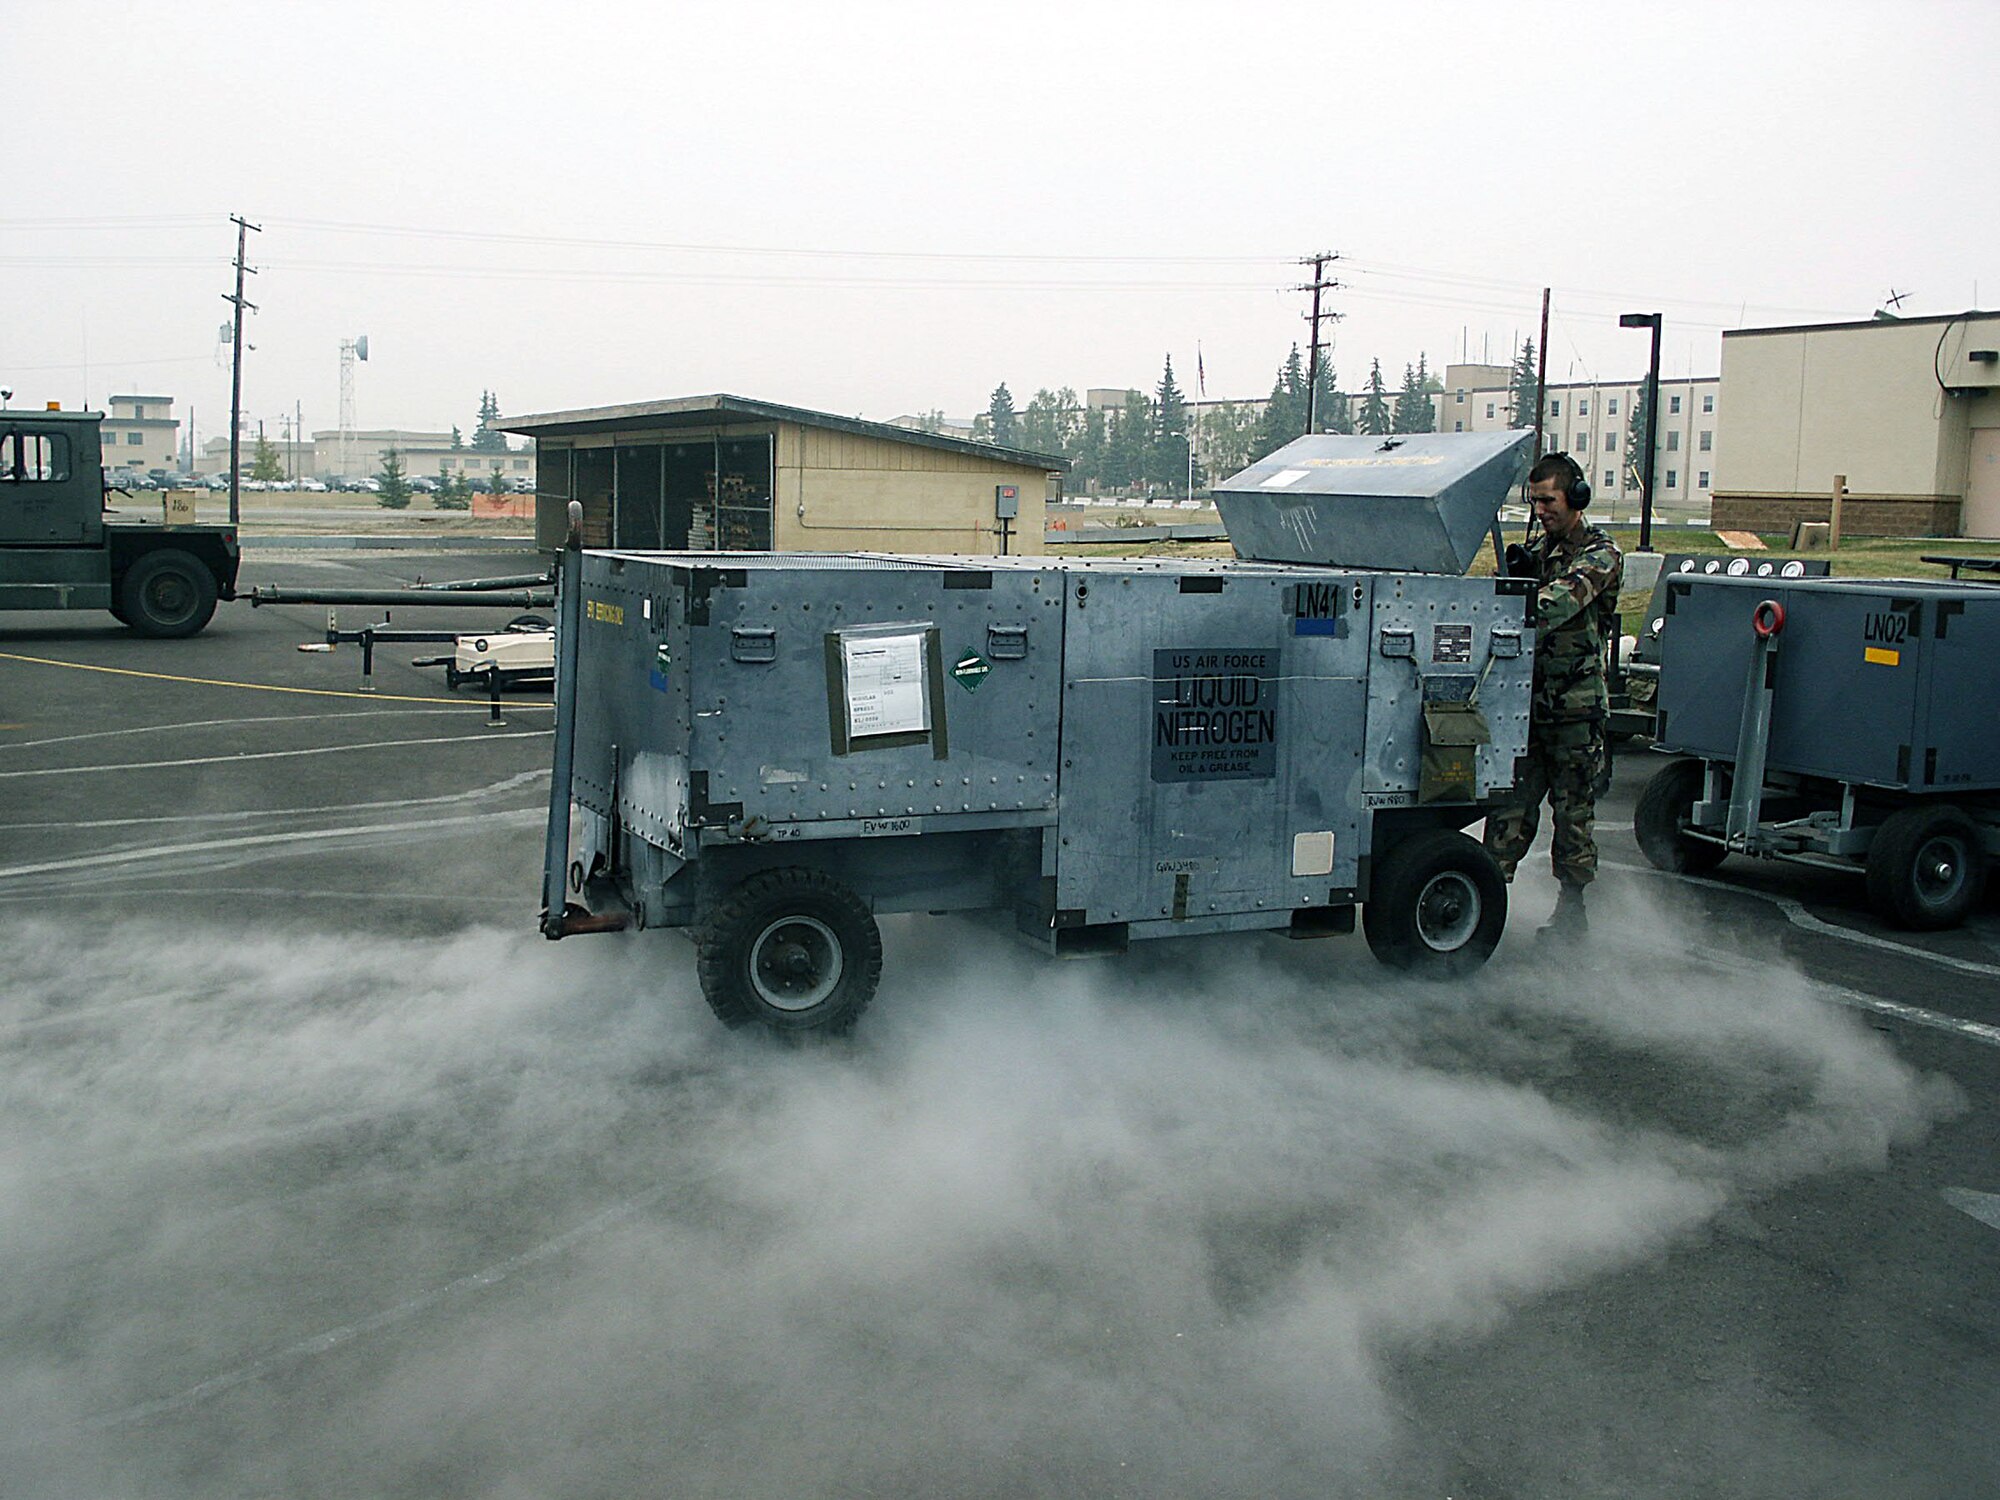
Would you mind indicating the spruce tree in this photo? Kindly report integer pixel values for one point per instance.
(1526, 387)
(486, 438)
(1001, 420)
(1635, 435)
(1285, 410)
(1375, 419)
(1413, 407)
(395, 491)
(1170, 453)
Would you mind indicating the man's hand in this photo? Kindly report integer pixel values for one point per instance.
(1519, 562)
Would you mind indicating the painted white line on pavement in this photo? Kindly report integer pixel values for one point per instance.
(1985, 1207)
(106, 734)
(230, 760)
(333, 1338)
(261, 840)
(249, 814)
(1796, 913)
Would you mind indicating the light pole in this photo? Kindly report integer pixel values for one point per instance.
(1652, 321)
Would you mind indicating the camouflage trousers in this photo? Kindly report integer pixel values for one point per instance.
(1568, 765)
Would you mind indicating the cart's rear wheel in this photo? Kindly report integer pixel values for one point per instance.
(1437, 904)
(1926, 867)
(793, 949)
(1660, 821)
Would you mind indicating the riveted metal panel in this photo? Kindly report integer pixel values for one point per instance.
(1460, 634)
(1201, 734)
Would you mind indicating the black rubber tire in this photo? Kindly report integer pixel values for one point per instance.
(167, 594)
(793, 949)
(1660, 821)
(1437, 904)
(1926, 868)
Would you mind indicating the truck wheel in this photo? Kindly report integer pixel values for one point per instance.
(1436, 907)
(1660, 821)
(1926, 868)
(167, 594)
(793, 949)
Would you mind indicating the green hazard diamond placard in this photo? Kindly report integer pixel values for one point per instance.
(971, 671)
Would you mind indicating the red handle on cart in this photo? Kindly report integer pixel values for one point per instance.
(1768, 619)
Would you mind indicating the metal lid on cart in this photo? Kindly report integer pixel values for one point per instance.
(1416, 503)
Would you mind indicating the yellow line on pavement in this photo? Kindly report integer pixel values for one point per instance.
(260, 687)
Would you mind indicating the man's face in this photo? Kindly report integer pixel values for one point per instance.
(1552, 507)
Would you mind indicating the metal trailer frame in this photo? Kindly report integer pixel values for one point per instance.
(1923, 848)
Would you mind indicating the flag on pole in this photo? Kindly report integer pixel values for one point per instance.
(1200, 374)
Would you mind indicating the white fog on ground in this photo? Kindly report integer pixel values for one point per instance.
(513, 1218)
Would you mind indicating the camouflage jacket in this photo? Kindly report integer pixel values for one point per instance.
(1576, 613)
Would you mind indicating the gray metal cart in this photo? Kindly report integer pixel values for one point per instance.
(1843, 721)
(771, 749)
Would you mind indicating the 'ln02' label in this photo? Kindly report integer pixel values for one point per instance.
(1215, 714)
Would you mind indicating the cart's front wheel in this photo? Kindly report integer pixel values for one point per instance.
(1436, 907)
(1660, 822)
(1926, 868)
(793, 949)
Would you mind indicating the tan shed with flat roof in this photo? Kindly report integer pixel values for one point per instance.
(724, 473)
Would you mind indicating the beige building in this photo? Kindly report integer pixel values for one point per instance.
(1906, 409)
(1590, 421)
(140, 433)
(730, 474)
(423, 454)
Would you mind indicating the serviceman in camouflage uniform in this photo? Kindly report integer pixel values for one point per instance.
(1578, 568)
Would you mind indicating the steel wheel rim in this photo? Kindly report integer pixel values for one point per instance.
(1448, 911)
(795, 963)
(1939, 870)
(169, 596)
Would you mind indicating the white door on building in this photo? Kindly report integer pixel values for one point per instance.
(1982, 485)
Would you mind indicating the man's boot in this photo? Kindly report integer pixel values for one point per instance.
(1569, 921)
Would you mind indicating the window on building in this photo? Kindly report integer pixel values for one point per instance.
(1610, 442)
(1708, 401)
(1673, 406)
(1610, 479)
(1556, 407)
(1489, 411)
(1708, 440)
(138, 413)
(1458, 427)
(1458, 398)
(1673, 442)
(520, 466)
(34, 457)
(1611, 406)
(1673, 480)
(134, 439)
(1701, 480)
(1582, 407)
(1582, 442)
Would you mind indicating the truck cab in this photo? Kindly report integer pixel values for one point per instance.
(61, 547)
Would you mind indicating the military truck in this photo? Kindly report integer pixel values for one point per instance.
(62, 547)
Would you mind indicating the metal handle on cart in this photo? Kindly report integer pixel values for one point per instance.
(1768, 619)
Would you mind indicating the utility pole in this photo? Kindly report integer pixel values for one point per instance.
(1318, 285)
(1542, 374)
(236, 369)
(1652, 321)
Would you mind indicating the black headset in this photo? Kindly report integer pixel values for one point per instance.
(1577, 491)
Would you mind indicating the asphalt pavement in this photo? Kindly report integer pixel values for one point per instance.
(325, 1174)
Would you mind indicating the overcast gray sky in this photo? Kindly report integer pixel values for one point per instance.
(880, 208)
